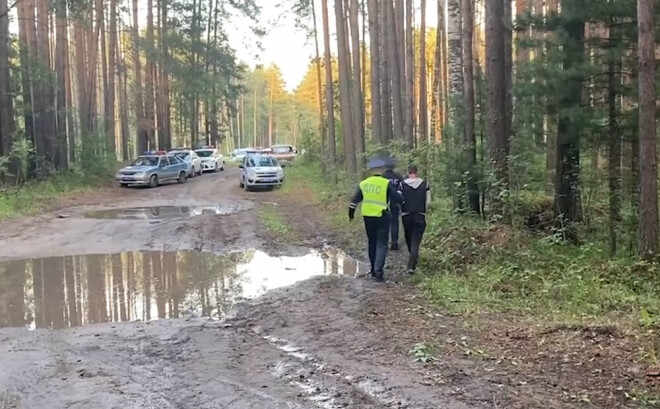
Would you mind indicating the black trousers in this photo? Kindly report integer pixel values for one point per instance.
(414, 225)
(395, 212)
(377, 231)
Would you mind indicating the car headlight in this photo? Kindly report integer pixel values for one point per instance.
(118, 175)
(140, 174)
(251, 173)
(280, 173)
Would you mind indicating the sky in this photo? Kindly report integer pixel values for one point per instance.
(285, 45)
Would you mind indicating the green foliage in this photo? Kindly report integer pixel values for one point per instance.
(36, 196)
(273, 221)
(422, 353)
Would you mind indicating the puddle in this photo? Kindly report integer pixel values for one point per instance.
(62, 292)
(165, 212)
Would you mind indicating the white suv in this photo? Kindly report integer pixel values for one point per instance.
(212, 160)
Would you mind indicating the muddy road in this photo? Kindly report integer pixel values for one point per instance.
(172, 298)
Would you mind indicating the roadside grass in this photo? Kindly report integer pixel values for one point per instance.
(274, 223)
(471, 266)
(36, 196)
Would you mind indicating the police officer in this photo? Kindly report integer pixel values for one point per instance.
(375, 193)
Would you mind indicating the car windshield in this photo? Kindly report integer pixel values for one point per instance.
(281, 149)
(204, 153)
(145, 161)
(256, 161)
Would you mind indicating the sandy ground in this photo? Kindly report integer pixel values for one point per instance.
(332, 341)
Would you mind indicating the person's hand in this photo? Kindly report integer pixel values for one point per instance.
(351, 217)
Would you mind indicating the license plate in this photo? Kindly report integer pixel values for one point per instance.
(127, 179)
(269, 180)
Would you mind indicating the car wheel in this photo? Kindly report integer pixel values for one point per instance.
(153, 181)
(246, 187)
(124, 185)
(241, 184)
(182, 177)
(215, 170)
(222, 168)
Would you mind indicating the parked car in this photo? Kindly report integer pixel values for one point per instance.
(153, 170)
(284, 153)
(260, 170)
(238, 154)
(212, 159)
(191, 158)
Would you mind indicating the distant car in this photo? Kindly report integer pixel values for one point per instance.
(284, 153)
(260, 170)
(212, 159)
(191, 158)
(238, 154)
(153, 170)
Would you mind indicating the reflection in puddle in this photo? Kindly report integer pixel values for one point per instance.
(164, 212)
(63, 292)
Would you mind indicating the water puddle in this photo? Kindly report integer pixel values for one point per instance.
(62, 292)
(165, 212)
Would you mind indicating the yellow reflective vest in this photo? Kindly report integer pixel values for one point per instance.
(374, 196)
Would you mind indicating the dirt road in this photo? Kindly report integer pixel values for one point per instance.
(172, 298)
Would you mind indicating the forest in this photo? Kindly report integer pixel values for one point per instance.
(534, 112)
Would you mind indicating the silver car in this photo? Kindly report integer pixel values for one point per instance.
(260, 170)
(191, 158)
(153, 170)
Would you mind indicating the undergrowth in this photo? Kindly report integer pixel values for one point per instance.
(470, 265)
(273, 221)
(35, 196)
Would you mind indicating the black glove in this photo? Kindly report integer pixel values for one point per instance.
(351, 214)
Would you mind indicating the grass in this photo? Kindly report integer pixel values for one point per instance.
(471, 266)
(273, 221)
(34, 197)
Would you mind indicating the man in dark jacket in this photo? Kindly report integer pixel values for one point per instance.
(395, 210)
(375, 193)
(416, 197)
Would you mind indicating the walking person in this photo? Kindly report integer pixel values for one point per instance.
(395, 209)
(416, 197)
(375, 193)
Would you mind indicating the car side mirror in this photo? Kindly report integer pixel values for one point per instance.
(283, 165)
(241, 166)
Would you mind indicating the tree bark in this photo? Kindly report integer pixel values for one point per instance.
(423, 92)
(7, 124)
(395, 68)
(437, 97)
(410, 71)
(344, 90)
(386, 63)
(329, 89)
(496, 79)
(468, 101)
(455, 59)
(648, 221)
(508, 67)
(374, 49)
(357, 103)
(568, 131)
(60, 70)
(614, 160)
(142, 132)
(150, 69)
(319, 85)
(112, 79)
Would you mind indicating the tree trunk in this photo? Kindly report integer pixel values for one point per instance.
(344, 90)
(568, 131)
(455, 60)
(142, 132)
(409, 76)
(614, 160)
(508, 68)
(522, 52)
(60, 69)
(7, 124)
(423, 92)
(386, 63)
(149, 77)
(329, 90)
(108, 120)
(648, 220)
(395, 68)
(468, 101)
(319, 85)
(112, 75)
(374, 49)
(496, 78)
(357, 106)
(165, 117)
(46, 113)
(437, 100)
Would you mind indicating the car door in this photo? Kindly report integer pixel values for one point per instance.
(174, 168)
(197, 162)
(163, 169)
